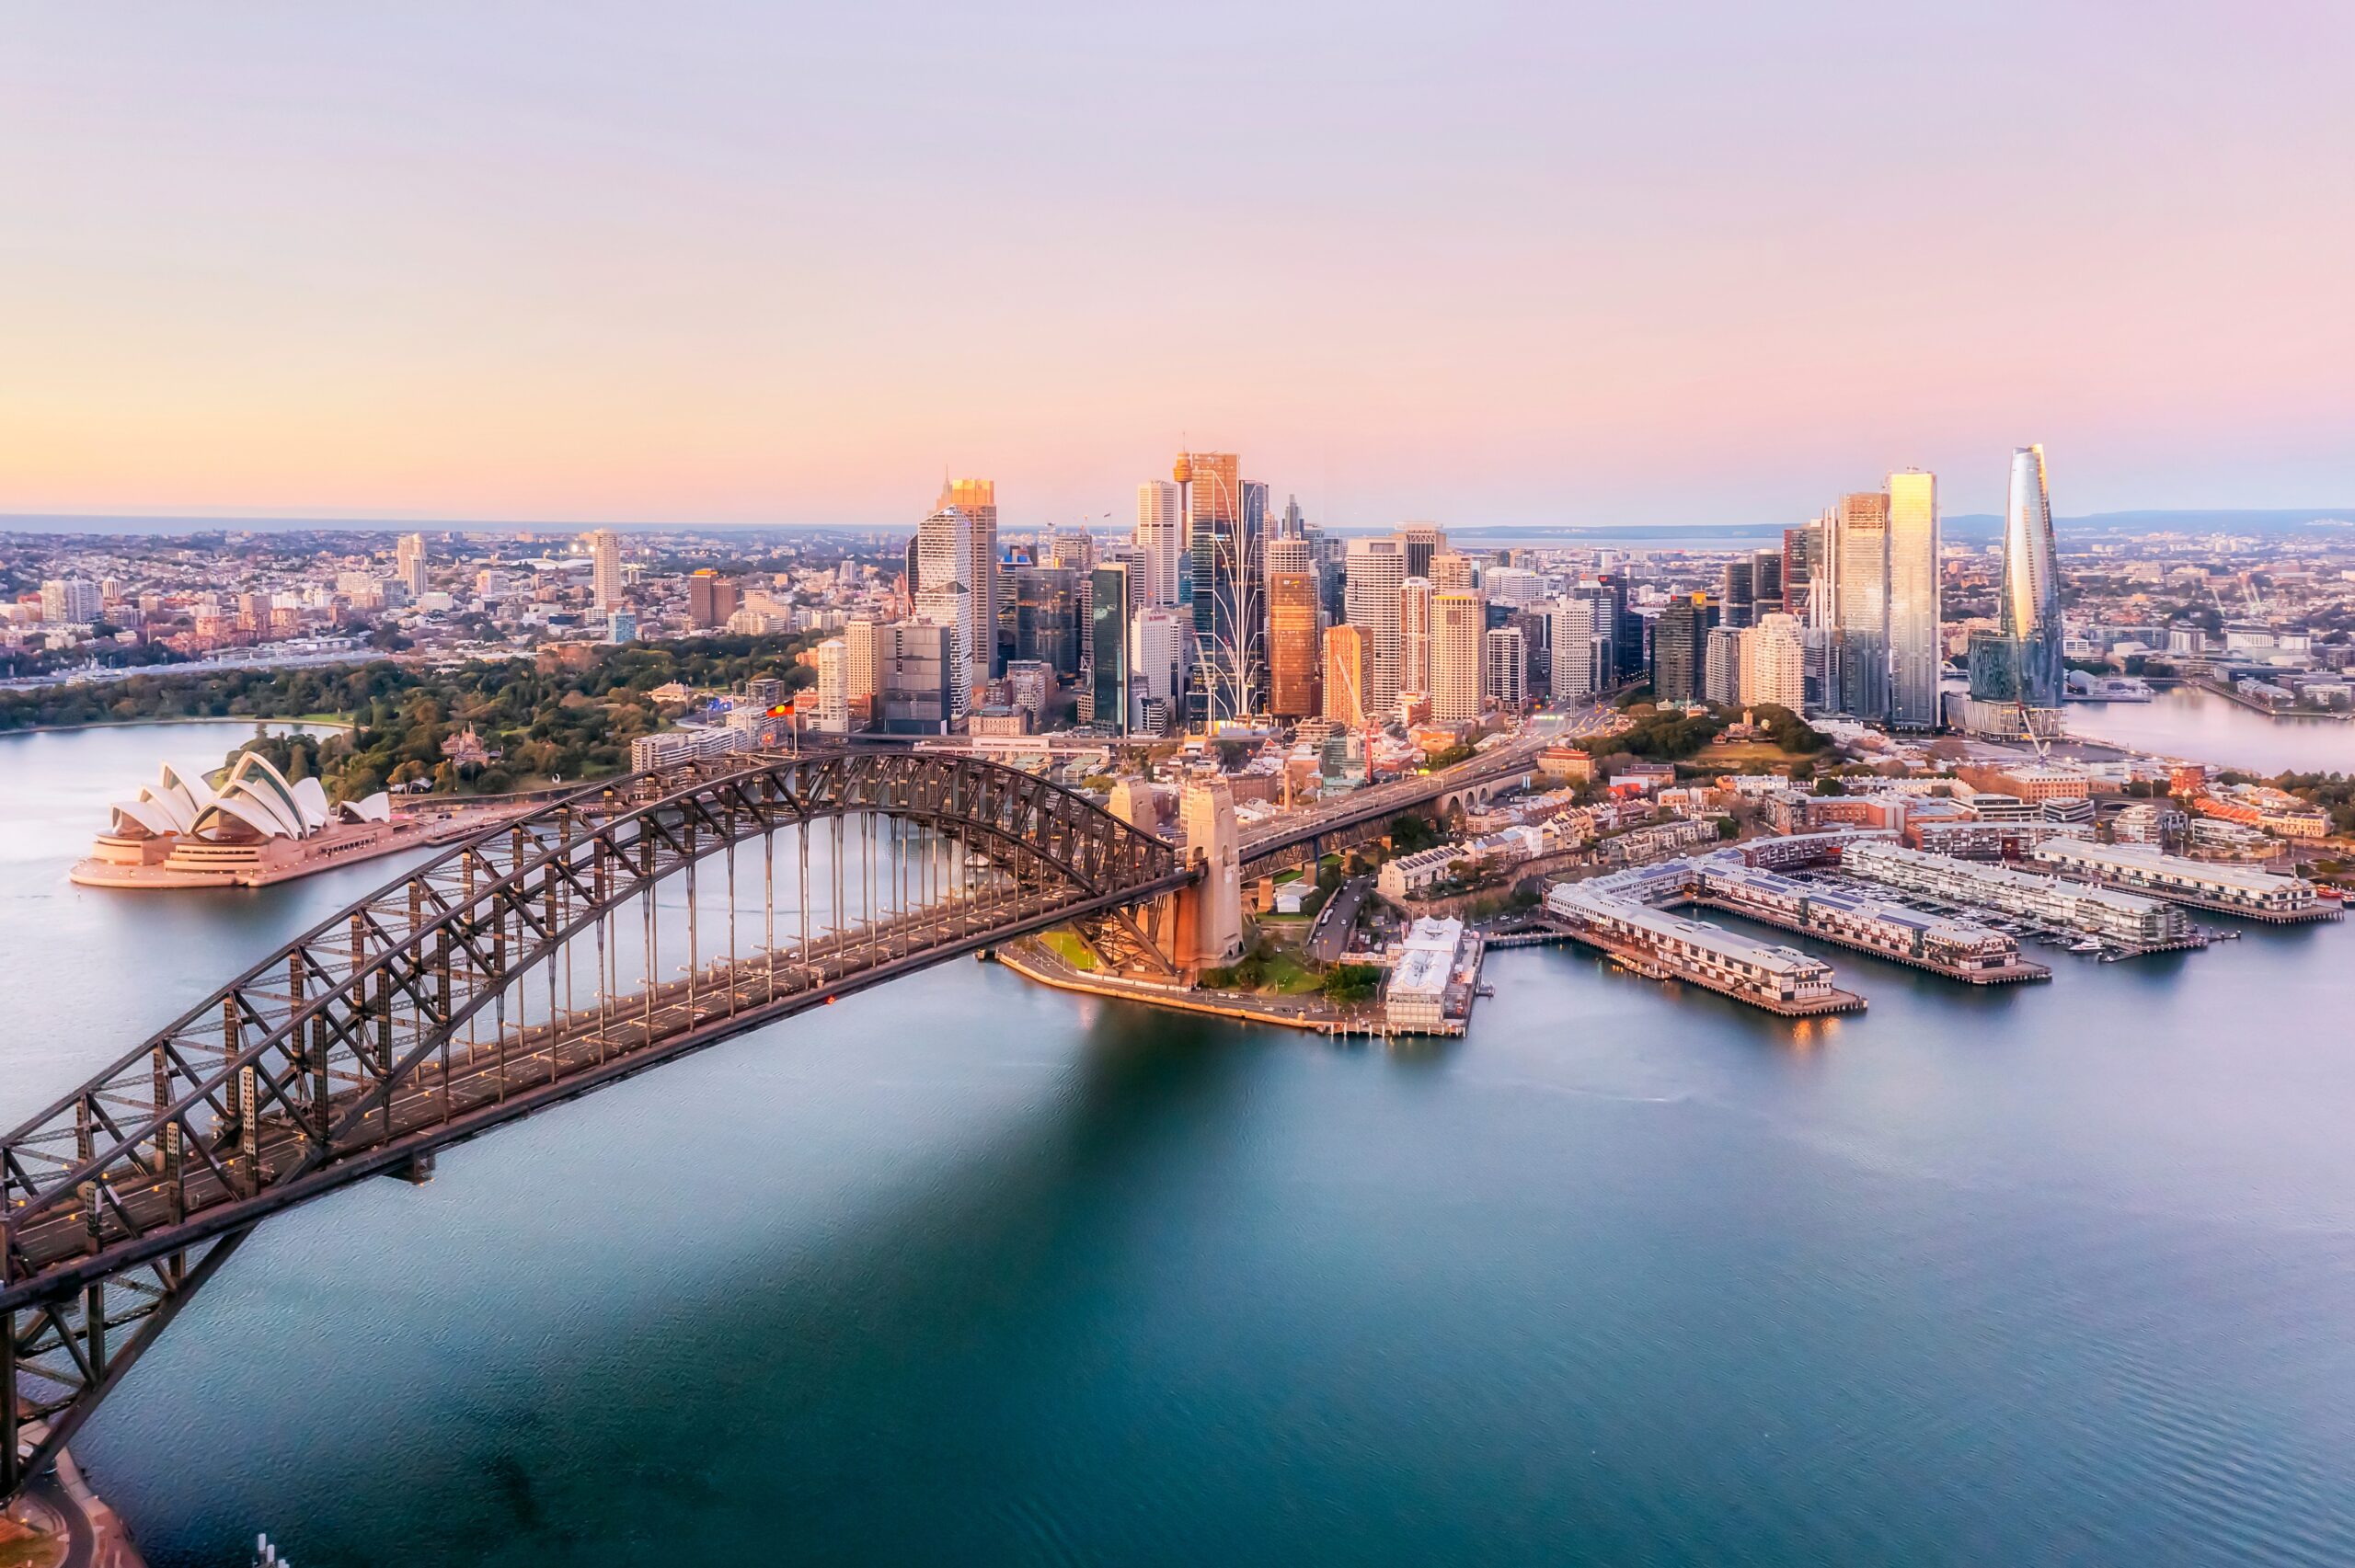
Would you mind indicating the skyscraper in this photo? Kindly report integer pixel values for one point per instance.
(1160, 540)
(1293, 620)
(1158, 637)
(1627, 626)
(1074, 550)
(2030, 611)
(916, 677)
(605, 568)
(1721, 664)
(1045, 602)
(863, 643)
(1913, 600)
(1766, 582)
(1225, 522)
(1579, 638)
(1459, 619)
(944, 556)
(1447, 569)
(1801, 548)
(1773, 662)
(977, 498)
(1377, 574)
(711, 599)
(1676, 650)
(833, 686)
(1504, 666)
(408, 562)
(1345, 675)
(1422, 541)
(1107, 675)
(1736, 595)
(1415, 636)
(1858, 553)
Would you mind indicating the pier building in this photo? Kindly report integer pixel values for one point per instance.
(2238, 889)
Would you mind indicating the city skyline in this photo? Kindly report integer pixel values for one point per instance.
(548, 268)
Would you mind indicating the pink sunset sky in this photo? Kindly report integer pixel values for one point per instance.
(1483, 264)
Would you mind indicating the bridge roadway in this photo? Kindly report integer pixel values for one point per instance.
(473, 1088)
(1360, 807)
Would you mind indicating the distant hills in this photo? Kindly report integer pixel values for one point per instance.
(1962, 527)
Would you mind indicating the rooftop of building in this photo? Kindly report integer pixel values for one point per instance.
(2150, 857)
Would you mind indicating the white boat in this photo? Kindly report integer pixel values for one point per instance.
(2087, 946)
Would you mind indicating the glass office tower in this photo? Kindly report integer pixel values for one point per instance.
(2031, 602)
(1913, 600)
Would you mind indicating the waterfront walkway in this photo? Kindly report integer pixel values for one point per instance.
(1033, 960)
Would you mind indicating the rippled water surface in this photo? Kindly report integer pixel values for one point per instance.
(968, 1272)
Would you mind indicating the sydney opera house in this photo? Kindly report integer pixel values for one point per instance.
(255, 827)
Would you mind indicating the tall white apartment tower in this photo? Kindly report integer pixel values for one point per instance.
(1458, 619)
(1913, 600)
(977, 498)
(409, 560)
(605, 568)
(1415, 636)
(1160, 540)
(943, 559)
(833, 686)
(1378, 574)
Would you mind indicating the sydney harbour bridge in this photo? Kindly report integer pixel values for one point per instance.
(609, 932)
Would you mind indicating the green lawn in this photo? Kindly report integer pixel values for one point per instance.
(1287, 976)
(1070, 949)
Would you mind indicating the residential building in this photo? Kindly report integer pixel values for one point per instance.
(833, 686)
(977, 501)
(1773, 662)
(944, 597)
(69, 601)
(1415, 636)
(711, 599)
(1458, 621)
(1504, 667)
(606, 570)
(1721, 665)
(863, 643)
(409, 565)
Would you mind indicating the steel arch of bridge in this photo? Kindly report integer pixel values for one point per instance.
(334, 1058)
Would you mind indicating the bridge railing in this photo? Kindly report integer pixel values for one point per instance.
(356, 1039)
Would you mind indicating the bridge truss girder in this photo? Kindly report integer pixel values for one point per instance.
(336, 1057)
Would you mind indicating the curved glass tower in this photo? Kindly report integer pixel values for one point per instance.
(2031, 606)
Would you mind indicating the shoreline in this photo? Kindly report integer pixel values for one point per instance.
(343, 724)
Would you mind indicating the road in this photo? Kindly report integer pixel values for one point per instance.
(1514, 755)
(466, 1080)
(1329, 937)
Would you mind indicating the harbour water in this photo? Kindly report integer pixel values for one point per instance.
(2182, 721)
(966, 1271)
